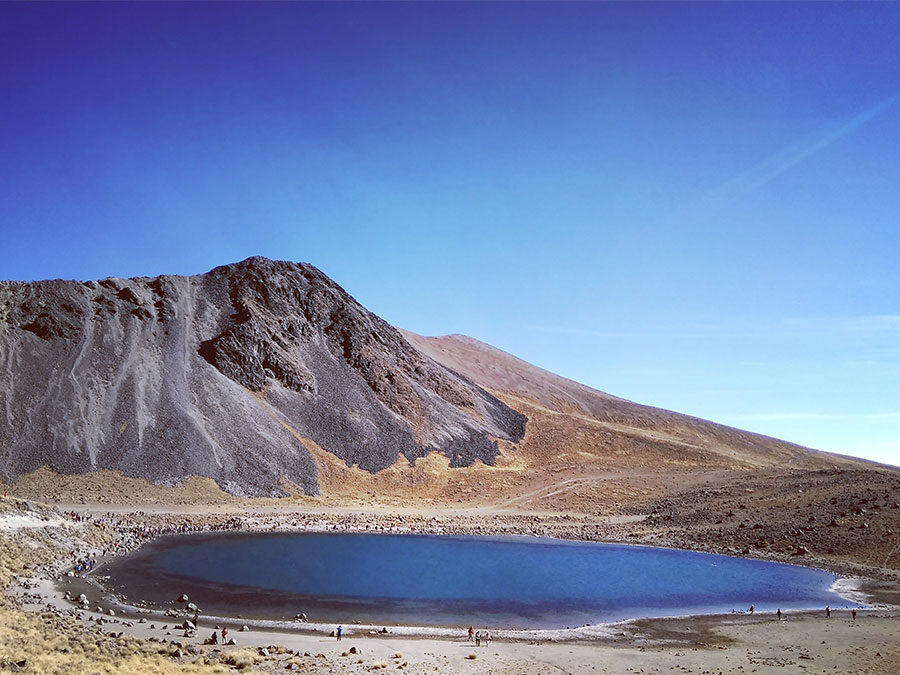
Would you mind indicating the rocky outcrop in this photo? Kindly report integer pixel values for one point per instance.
(221, 375)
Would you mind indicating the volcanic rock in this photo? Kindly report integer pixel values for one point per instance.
(230, 375)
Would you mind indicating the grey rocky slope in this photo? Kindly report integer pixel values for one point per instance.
(220, 375)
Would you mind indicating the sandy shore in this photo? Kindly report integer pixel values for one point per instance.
(803, 642)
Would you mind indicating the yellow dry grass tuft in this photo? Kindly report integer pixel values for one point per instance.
(53, 645)
(241, 658)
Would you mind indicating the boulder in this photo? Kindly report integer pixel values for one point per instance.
(183, 597)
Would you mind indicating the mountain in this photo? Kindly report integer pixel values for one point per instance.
(270, 379)
(243, 375)
(538, 389)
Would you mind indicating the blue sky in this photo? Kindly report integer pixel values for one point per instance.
(693, 206)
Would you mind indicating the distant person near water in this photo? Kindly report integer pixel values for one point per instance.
(471, 637)
(779, 614)
(853, 614)
(827, 610)
(338, 632)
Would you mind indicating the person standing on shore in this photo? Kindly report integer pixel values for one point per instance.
(471, 637)
(779, 614)
(338, 632)
(827, 610)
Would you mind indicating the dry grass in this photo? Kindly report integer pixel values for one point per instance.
(51, 644)
(112, 487)
(241, 658)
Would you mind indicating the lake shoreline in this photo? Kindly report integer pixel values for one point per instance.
(700, 643)
(860, 590)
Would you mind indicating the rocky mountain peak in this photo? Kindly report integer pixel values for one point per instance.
(223, 374)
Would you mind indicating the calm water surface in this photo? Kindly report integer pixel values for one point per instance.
(451, 580)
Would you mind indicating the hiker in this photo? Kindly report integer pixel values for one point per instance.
(779, 614)
(487, 637)
(340, 629)
(471, 637)
(827, 610)
(478, 639)
(854, 615)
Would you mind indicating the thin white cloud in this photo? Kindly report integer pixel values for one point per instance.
(787, 158)
(884, 417)
(856, 326)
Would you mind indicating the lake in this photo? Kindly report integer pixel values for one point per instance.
(435, 580)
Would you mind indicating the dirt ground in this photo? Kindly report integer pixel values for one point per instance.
(38, 626)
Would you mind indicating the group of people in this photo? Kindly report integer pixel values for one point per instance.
(479, 637)
(778, 613)
(827, 612)
(83, 564)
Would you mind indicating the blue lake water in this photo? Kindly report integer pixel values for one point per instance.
(454, 580)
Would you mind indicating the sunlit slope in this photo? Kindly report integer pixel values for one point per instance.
(566, 417)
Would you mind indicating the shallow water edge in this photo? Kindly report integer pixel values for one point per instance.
(848, 589)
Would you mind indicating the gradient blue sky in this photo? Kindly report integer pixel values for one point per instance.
(694, 206)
